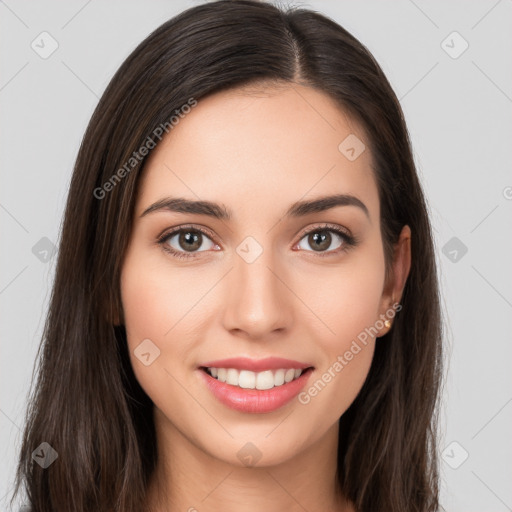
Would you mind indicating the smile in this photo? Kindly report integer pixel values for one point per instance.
(255, 386)
(251, 380)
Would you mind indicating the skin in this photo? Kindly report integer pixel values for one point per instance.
(256, 152)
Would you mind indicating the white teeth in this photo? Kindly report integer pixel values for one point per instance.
(221, 374)
(289, 375)
(247, 379)
(232, 377)
(252, 380)
(279, 378)
(265, 380)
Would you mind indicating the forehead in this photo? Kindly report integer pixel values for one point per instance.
(268, 146)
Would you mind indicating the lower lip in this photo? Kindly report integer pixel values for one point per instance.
(255, 400)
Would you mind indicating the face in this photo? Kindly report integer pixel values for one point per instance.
(266, 281)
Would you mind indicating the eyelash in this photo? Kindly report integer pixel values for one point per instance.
(349, 241)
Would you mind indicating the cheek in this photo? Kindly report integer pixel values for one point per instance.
(143, 304)
(155, 297)
(346, 353)
(349, 307)
(158, 305)
(347, 298)
(150, 312)
(146, 307)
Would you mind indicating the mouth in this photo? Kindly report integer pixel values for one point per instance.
(252, 391)
(246, 379)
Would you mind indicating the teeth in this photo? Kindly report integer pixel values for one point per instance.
(247, 380)
(232, 377)
(252, 380)
(289, 375)
(265, 380)
(279, 377)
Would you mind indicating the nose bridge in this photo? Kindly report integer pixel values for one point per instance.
(257, 301)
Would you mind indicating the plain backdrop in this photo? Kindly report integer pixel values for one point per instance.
(449, 64)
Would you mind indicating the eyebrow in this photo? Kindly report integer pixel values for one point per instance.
(219, 211)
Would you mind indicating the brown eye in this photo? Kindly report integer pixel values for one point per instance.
(322, 240)
(188, 240)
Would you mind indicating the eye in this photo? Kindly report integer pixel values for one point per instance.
(321, 239)
(186, 241)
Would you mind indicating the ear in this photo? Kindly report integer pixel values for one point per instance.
(394, 287)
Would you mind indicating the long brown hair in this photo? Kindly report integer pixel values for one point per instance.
(87, 404)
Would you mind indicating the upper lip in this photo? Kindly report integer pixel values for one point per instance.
(256, 365)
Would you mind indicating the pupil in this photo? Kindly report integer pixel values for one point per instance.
(189, 240)
(321, 240)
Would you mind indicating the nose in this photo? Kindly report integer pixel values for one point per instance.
(259, 303)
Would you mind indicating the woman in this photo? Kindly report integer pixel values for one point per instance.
(245, 312)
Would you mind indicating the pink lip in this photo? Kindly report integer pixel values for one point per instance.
(255, 400)
(256, 365)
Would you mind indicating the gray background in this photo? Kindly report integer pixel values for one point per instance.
(458, 108)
